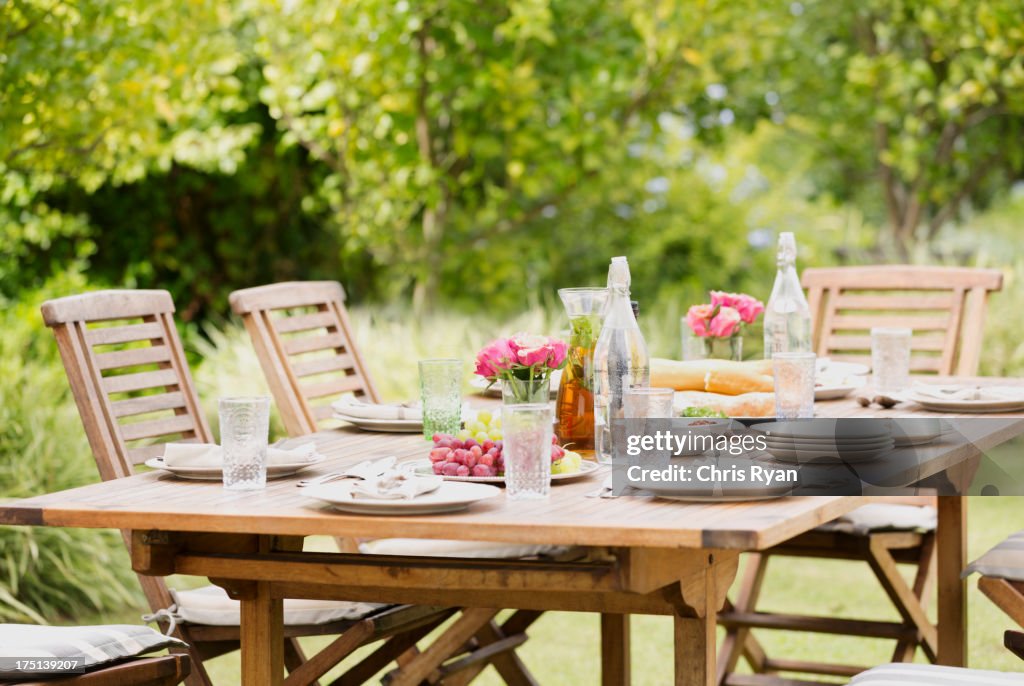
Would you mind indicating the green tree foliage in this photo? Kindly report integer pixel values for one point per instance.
(915, 108)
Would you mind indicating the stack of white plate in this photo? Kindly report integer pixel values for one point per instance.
(827, 440)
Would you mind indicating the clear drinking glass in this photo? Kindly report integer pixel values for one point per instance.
(794, 385)
(527, 434)
(648, 403)
(890, 358)
(441, 393)
(244, 427)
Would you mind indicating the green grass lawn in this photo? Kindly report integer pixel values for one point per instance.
(563, 647)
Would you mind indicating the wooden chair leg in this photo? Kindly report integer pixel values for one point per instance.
(425, 665)
(496, 645)
(923, 578)
(295, 658)
(400, 648)
(740, 641)
(902, 596)
(1014, 642)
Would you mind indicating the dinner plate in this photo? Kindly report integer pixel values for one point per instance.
(824, 428)
(586, 469)
(450, 497)
(1009, 404)
(276, 471)
(717, 493)
(834, 368)
(841, 441)
(828, 454)
(833, 392)
(388, 425)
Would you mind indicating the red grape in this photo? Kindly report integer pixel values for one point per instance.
(451, 468)
(438, 467)
(439, 454)
(483, 470)
(471, 460)
(486, 460)
(463, 470)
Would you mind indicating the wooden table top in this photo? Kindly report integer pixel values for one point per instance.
(159, 501)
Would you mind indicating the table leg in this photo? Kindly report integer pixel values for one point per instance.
(695, 650)
(615, 662)
(951, 544)
(262, 634)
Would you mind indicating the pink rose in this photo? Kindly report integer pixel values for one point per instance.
(559, 349)
(748, 306)
(725, 323)
(530, 349)
(698, 317)
(496, 357)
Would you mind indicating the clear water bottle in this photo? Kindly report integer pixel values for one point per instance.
(787, 318)
(621, 360)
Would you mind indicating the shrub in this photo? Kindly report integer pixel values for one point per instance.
(47, 572)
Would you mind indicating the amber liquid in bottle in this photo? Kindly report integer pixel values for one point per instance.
(574, 407)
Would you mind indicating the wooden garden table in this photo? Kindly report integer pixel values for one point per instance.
(666, 558)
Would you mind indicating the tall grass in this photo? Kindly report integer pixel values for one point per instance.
(45, 572)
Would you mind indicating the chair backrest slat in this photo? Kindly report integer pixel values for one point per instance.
(306, 348)
(944, 306)
(130, 379)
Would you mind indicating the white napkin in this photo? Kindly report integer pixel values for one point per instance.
(394, 484)
(192, 455)
(353, 407)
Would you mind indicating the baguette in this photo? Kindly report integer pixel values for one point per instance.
(718, 376)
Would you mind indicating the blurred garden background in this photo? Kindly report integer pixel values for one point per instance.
(452, 163)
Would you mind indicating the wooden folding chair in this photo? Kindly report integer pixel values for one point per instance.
(164, 670)
(1002, 576)
(305, 344)
(132, 385)
(945, 308)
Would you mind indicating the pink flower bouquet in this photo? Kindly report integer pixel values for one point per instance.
(725, 315)
(522, 358)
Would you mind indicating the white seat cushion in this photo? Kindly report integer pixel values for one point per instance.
(1005, 561)
(90, 645)
(211, 605)
(423, 547)
(881, 517)
(932, 675)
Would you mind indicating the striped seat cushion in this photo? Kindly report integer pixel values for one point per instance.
(211, 605)
(881, 517)
(93, 645)
(932, 675)
(1005, 561)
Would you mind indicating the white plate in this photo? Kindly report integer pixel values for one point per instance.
(276, 471)
(727, 493)
(827, 367)
(854, 443)
(833, 392)
(450, 497)
(586, 469)
(825, 428)
(828, 454)
(930, 402)
(387, 425)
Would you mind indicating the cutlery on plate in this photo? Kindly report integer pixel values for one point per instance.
(366, 470)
